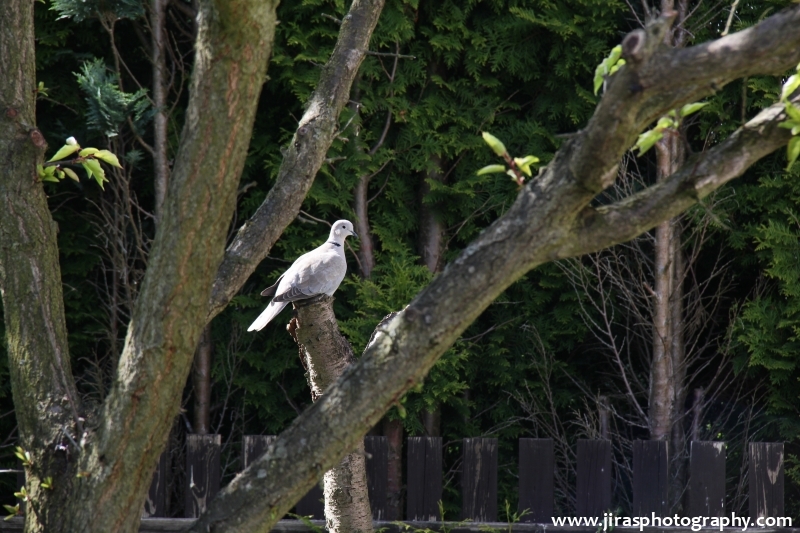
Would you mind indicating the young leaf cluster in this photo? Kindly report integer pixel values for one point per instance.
(88, 158)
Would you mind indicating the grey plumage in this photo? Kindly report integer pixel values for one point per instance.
(319, 271)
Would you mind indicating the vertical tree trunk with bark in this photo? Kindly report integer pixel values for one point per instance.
(160, 164)
(30, 281)
(325, 354)
(668, 372)
(101, 469)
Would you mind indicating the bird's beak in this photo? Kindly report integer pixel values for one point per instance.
(354, 234)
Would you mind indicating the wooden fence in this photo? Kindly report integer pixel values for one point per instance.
(423, 488)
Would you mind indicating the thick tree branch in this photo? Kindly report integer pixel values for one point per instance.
(599, 228)
(234, 41)
(302, 158)
(537, 228)
(45, 397)
(658, 78)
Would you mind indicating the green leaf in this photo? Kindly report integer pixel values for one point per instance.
(491, 169)
(789, 87)
(96, 171)
(664, 123)
(647, 140)
(792, 111)
(108, 157)
(71, 173)
(60, 174)
(598, 77)
(615, 54)
(689, 109)
(65, 151)
(40, 171)
(88, 151)
(524, 163)
(793, 151)
(619, 64)
(494, 143)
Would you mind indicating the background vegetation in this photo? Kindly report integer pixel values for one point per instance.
(534, 363)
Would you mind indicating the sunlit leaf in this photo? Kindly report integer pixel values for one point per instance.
(647, 140)
(108, 157)
(88, 151)
(793, 151)
(71, 173)
(688, 109)
(491, 169)
(65, 151)
(494, 143)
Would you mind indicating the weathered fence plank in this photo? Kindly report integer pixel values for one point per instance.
(536, 471)
(254, 446)
(155, 505)
(312, 504)
(479, 480)
(377, 449)
(707, 479)
(766, 479)
(202, 472)
(650, 478)
(424, 478)
(594, 477)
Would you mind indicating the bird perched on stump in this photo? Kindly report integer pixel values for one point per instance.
(320, 271)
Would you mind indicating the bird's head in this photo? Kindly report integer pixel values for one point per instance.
(341, 229)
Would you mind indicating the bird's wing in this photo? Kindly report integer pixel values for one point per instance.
(317, 272)
(270, 291)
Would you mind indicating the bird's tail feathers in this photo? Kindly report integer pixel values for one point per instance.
(269, 313)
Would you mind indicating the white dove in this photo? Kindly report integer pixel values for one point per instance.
(320, 271)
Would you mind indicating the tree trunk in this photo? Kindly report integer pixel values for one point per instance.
(160, 143)
(431, 239)
(201, 380)
(325, 354)
(45, 397)
(668, 372)
(102, 469)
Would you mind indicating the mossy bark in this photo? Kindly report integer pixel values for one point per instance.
(102, 469)
(325, 354)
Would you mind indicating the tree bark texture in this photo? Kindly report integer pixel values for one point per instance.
(668, 371)
(325, 354)
(101, 470)
(552, 218)
(158, 23)
(201, 381)
(44, 393)
(302, 158)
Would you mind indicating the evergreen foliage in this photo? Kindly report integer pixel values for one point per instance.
(522, 69)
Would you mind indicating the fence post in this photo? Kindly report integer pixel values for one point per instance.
(155, 505)
(202, 472)
(479, 480)
(594, 477)
(377, 449)
(707, 479)
(253, 447)
(312, 504)
(423, 478)
(536, 469)
(766, 479)
(650, 478)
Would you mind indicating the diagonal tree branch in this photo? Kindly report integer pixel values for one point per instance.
(302, 158)
(538, 228)
(657, 79)
(599, 228)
